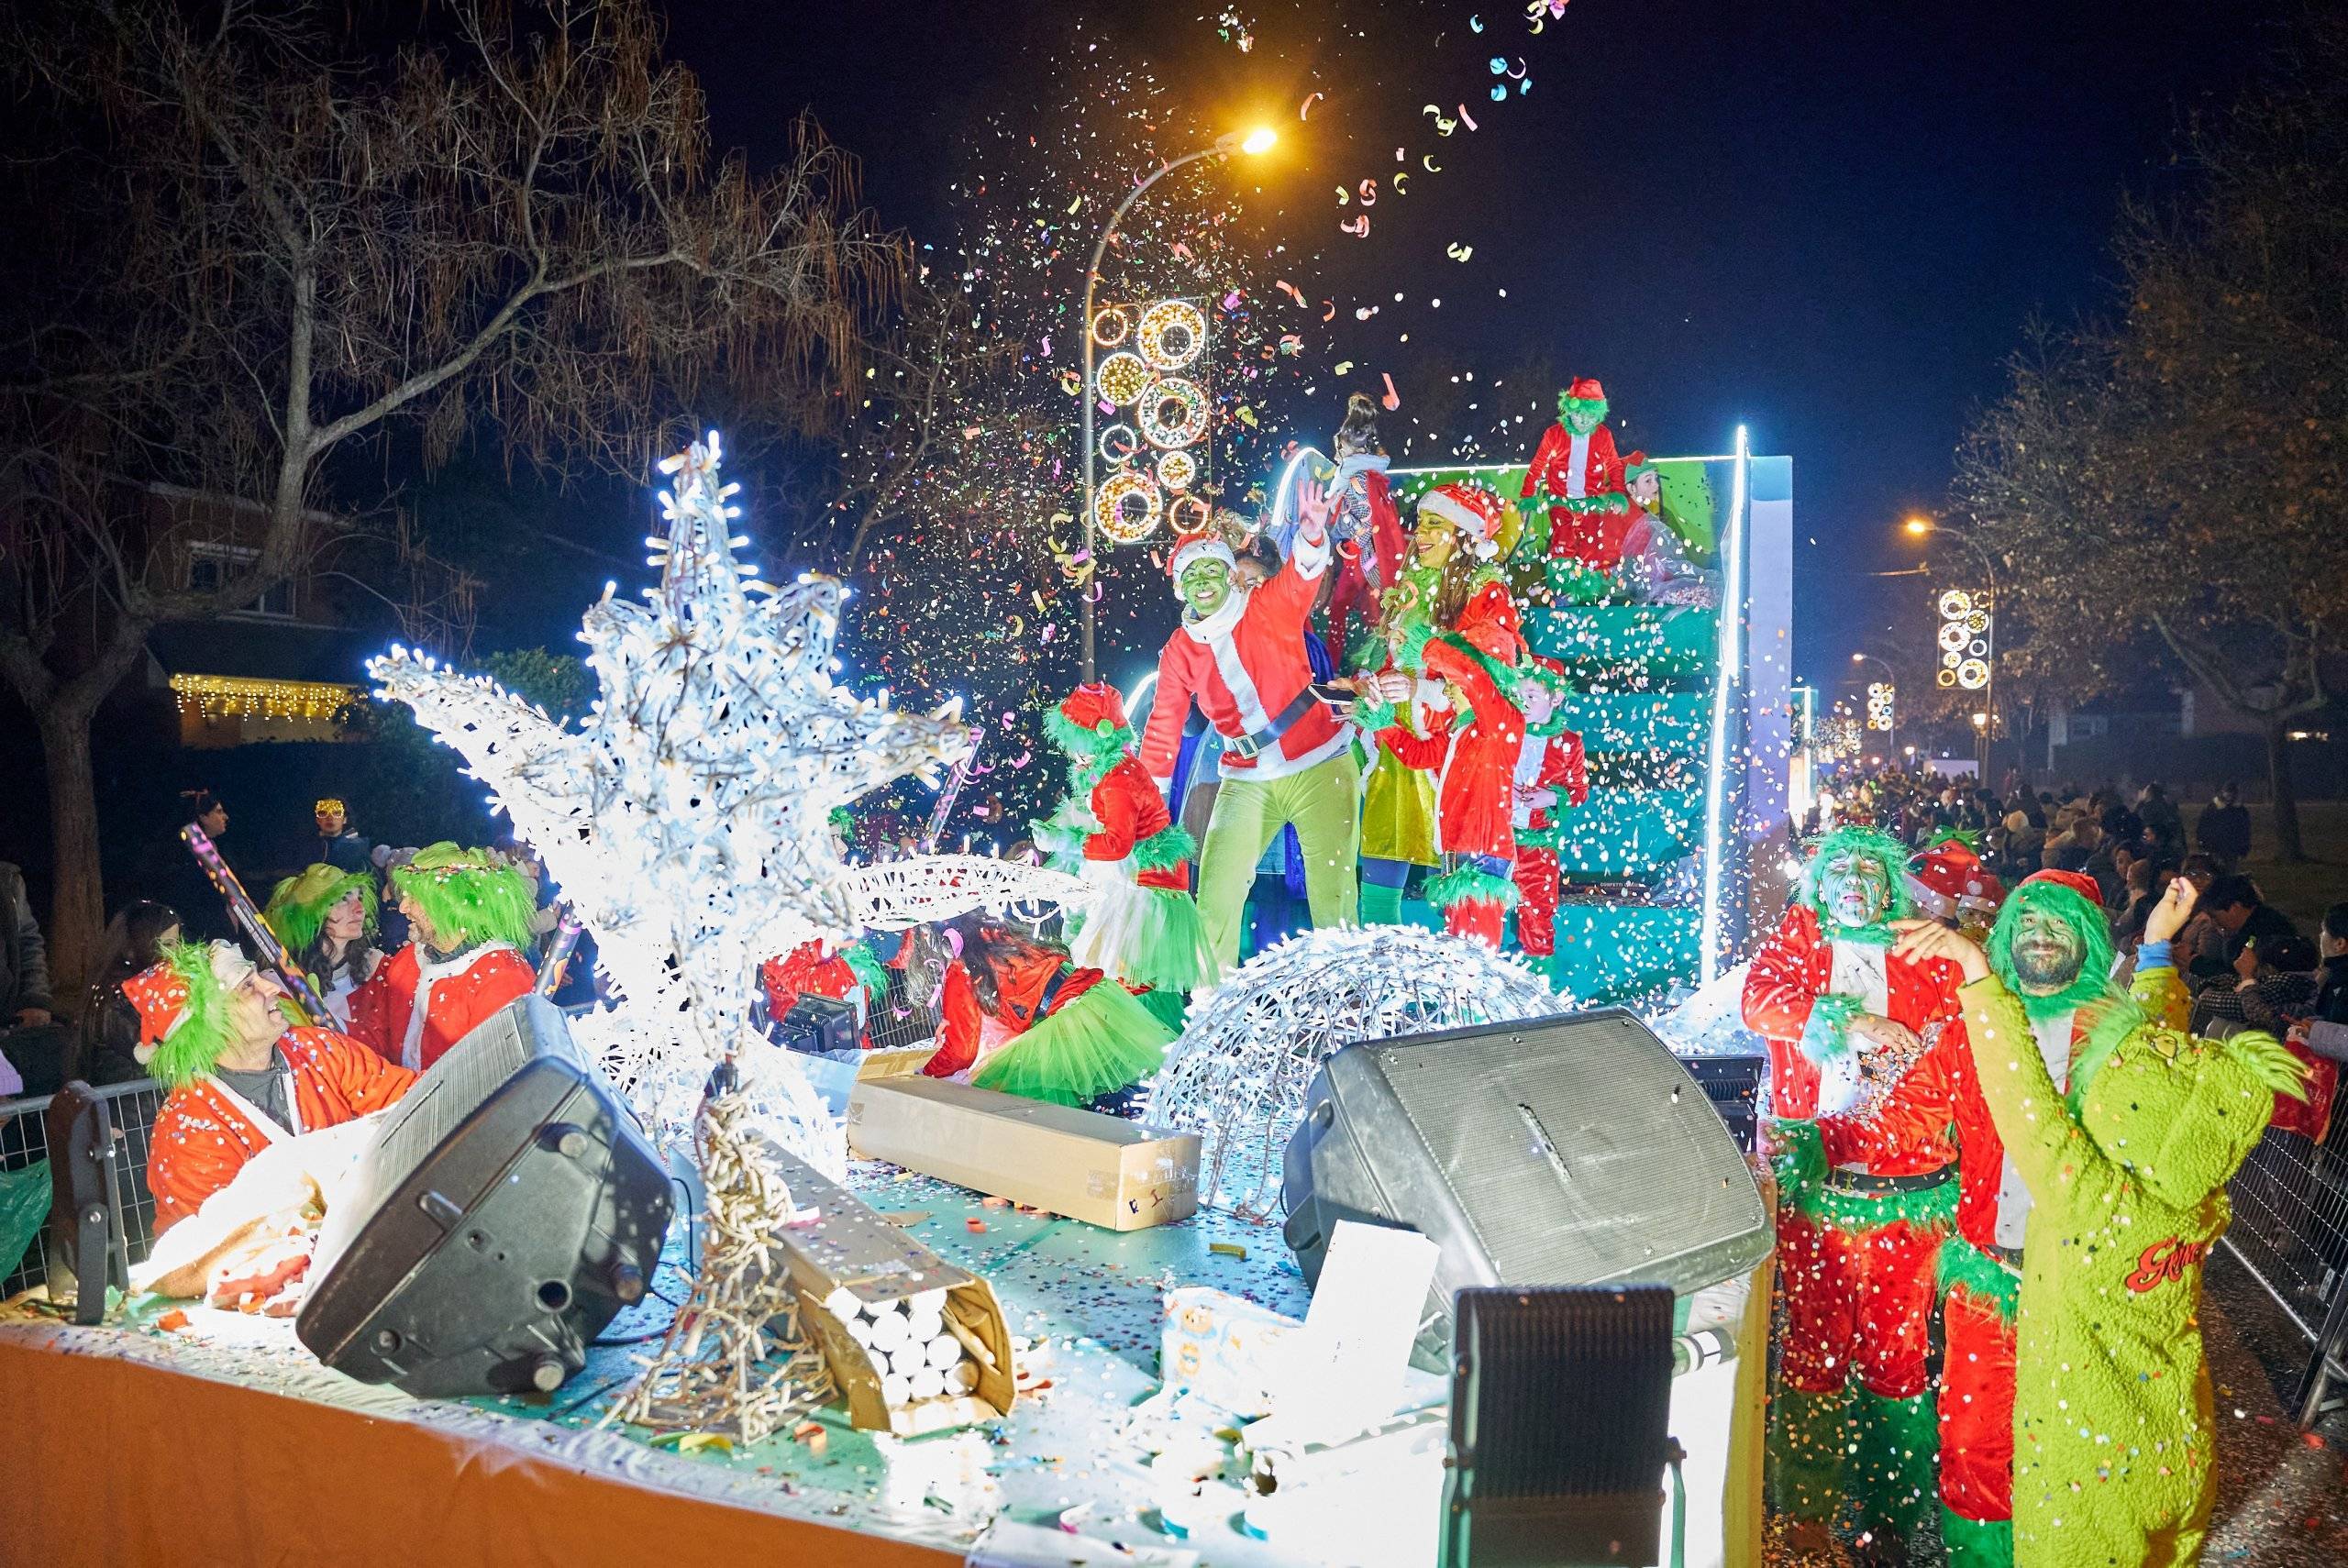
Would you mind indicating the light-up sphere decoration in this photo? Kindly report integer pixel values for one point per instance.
(1127, 506)
(1171, 411)
(1172, 335)
(1176, 470)
(1121, 378)
(1966, 635)
(1111, 326)
(1237, 1076)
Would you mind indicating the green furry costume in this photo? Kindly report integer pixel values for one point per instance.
(2127, 1172)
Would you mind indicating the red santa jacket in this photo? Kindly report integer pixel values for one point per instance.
(1244, 665)
(1020, 985)
(457, 995)
(1567, 467)
(205, 1130)
(1792, 971)
(808, 971)
(1555, 763)
(1129, 809)
(1369, 550)
(1474, 753)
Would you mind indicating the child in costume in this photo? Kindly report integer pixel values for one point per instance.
(1575, 472)
(469, 914)
(239, 1076)
(2121, 1131)
(1551, 776)
(1453, 628)
(326, 917)
(1018, 1015)
(1366, 527)
(1858, 1230)
(1143, 928)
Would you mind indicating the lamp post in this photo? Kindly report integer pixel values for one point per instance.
(1255, 141)
(1891, 730)
(1922, 527)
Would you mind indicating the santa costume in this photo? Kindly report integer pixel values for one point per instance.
(207, 1129)
(1021, 1017)
(1142, 926)
(822, 967)
(424, 999)
(1287, 759)
(1575, 469)
(1947, 880)
(1858, 1230)
(1472, 732)
(1551, 760)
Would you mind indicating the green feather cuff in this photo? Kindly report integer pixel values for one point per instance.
(1470, 882)
(1170, 845)
(1966, 1267)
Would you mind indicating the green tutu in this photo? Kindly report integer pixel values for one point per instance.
(1094, 1045)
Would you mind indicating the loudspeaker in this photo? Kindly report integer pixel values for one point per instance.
(1560, 1412)
(1734, 1086)
(1572, 1150)
(507, 1210)
(818, 1023)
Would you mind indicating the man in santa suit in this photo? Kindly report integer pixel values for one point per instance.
(1287, 759)
(239, 1076)
(1551, 774)
(1575, 470)
(1858, 1230)
(468, 918)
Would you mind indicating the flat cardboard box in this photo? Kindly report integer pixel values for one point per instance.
(849, 1246)
(1104, 1170)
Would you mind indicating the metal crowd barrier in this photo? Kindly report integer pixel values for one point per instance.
(2290, 1229)
(124, 1122)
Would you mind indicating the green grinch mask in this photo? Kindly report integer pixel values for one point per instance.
(1581, 415)
(1205, 584)
(1855, 883)
(2051, 947)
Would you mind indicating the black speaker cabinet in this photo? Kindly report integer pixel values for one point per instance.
(1574, 1150)
(507, 1210)
(819, 1024)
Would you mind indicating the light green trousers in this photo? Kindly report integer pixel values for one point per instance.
(1323, 803)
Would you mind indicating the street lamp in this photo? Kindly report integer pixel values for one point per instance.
(1922, 527)
(1891, 730)
(1254, 143)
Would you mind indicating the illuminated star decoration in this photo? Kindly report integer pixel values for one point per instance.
(686, 819)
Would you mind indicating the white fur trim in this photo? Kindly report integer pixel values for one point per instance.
(1198, 550)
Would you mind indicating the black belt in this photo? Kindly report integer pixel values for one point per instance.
(1253, 744)
(1051, 989)
(2010, 1256)
(1860, 1181)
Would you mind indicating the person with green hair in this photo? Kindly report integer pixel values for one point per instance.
(468, 918)
(2116, 1134)
(1847, 1018)
(327, 919)
(212, 1031)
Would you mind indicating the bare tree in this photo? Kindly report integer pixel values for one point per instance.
(2170, 482)
(270, 270)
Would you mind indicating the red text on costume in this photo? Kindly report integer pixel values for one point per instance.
(2164, 1261)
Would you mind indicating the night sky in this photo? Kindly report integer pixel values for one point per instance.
(1828, 221)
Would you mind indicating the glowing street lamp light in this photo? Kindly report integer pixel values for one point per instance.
(1254, 143)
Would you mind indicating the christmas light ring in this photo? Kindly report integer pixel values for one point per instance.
(1187, 403)
(1118, 443)
(1121, 378)
(1171, 333)
(1127, 506)
(1947, 679)
(1955, 604)
(1177, 470)
(1188, 514)
(1979, 647)
(1109, 326)
(1952, 635)
(1973, 675)
(1978, 622)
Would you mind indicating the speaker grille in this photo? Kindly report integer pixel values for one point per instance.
(1577, 1151)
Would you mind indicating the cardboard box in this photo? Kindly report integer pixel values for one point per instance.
(1101, 1169)
(847, 1251)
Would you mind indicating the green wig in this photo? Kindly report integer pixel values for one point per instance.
(1871, 843)
(195, 1042)
(2086, 922)
(297, 909)
(470, 896)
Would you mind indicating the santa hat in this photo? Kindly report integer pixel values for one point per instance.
(1585, 390)
(1192, 548)
(1946, 875)
(1477, 511)
(183, 1006)
(1636, 464)
(2072, 898)
(1089, 719)
(2078, 882)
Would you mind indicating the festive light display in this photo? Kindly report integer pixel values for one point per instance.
(1967, 634)
(1127, 507)
(687, 817)
(1172, 334)
(1172, 412)
(1239, 1072)
(1121, 378)
(1177, 470)
(1881, 699)
(238, 697)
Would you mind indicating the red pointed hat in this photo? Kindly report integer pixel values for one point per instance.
(1946, 874)
(1475, 510)
(161, 995)
(1089, 707)
(1586, 389)
(1189, 548)
(2078, 882)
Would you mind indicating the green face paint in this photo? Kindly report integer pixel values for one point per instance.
(1205, 585)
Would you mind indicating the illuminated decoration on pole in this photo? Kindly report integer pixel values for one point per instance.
(687, 817)
(1880, 698)
(1967, 638)
(238, 697)
(1162, 446)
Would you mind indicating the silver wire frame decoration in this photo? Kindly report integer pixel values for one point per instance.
(1239, 1073)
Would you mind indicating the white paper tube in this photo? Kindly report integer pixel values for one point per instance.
(895, 1391)
(891, 1331)
(925, 1327)
(944, 1350)
(929, 1303)
(927, 1384)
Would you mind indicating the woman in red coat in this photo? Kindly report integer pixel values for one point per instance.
(1458, 650)
(1019, 1016)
